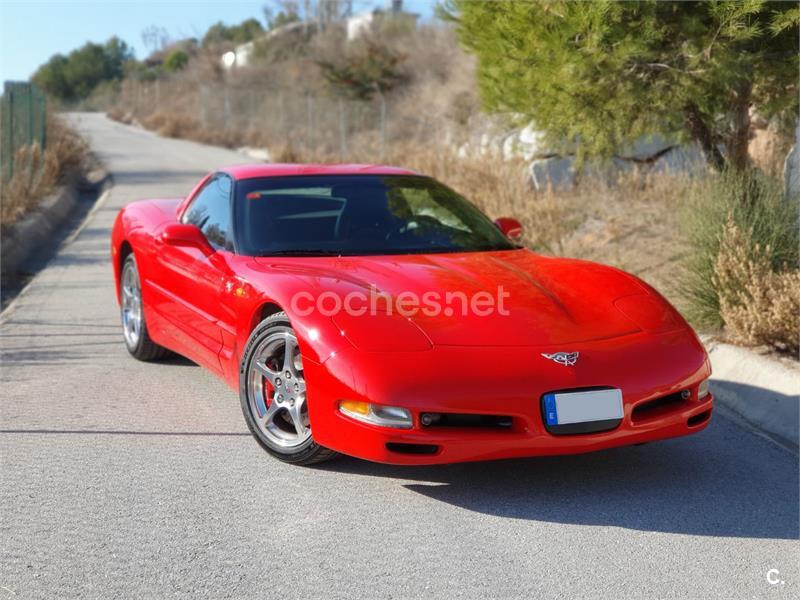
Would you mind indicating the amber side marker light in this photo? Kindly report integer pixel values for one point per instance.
(375, 414)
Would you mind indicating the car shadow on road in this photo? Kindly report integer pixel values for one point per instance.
(725, 481)
(177, 360)
(50, 343)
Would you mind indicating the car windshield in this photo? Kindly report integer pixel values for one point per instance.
(358, 215)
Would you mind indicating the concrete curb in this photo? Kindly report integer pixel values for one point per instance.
(33, 230)
(25, 237)
(761, 390)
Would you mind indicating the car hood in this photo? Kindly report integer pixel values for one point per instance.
(548, 301)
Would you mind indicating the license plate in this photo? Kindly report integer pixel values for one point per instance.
(582, 407)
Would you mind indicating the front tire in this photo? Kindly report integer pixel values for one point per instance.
(134, 328)
(272, 391)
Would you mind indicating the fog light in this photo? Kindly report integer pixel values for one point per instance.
(702, 389)
(375, 414)
(428, 419)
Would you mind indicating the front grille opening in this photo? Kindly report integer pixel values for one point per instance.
(657, 407)
(412, 448)
(431, 420)
(698, 419)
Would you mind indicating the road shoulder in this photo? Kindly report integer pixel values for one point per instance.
(29, 244)
(762, 391)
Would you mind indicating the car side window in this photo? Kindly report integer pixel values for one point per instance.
(211, 212)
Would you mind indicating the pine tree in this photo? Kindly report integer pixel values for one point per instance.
(596, 76)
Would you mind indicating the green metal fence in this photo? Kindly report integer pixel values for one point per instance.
(23, 122)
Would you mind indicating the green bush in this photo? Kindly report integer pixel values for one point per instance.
(367, 68)
(242, 33)
(755, 204)
(176, 60)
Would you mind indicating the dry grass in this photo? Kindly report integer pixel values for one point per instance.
(183, 126)
(38, 173)
(175, 125)
(118, 113)
(759, 305)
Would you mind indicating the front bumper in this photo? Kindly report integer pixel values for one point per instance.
(507, 381)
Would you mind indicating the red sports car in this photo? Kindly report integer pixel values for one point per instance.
(374, 312)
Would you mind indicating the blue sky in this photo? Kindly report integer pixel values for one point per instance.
(32, 31)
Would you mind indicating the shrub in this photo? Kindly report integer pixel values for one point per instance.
(220, 33)
(758, 305)
(173, 125)
(176, 60)
(755, 205)
(37, 173)
(369, 68)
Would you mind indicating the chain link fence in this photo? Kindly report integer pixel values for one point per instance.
(23, 124)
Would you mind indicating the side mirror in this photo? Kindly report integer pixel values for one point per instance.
(181, 234)
(511, 228)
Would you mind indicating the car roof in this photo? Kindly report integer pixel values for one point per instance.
(287, 169)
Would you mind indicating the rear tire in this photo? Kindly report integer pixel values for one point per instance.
(134, 328)
(273, 394)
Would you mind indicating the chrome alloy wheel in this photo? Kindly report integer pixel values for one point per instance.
(276, 391)
(131, 304)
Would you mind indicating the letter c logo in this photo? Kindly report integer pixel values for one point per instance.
(772, 577)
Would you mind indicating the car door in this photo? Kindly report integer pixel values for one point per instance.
(194, 280)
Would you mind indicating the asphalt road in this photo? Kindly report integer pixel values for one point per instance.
(129, 480)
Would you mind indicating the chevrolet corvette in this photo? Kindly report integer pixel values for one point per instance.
(374, 312)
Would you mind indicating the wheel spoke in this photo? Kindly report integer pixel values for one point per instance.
(265, 371)
(272, 410)
(288, 355)
(297, 421)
